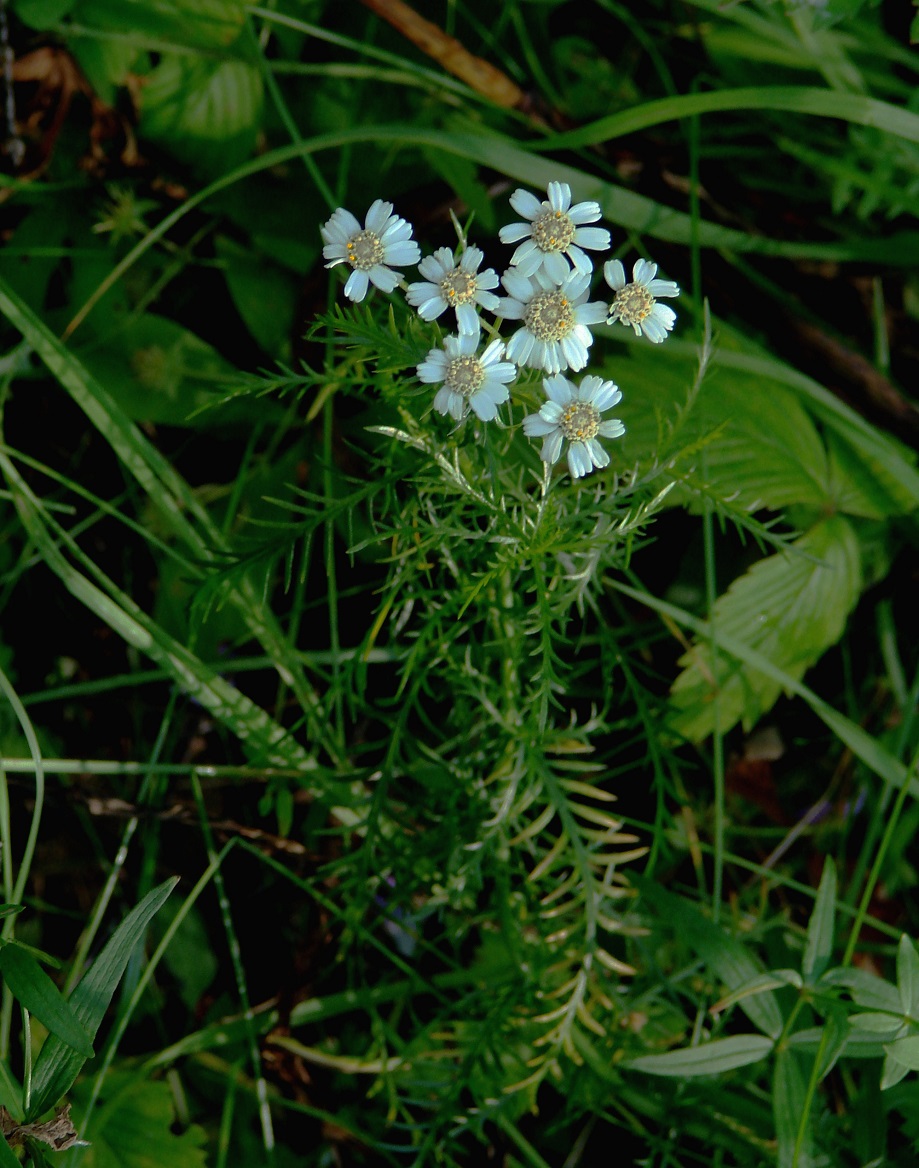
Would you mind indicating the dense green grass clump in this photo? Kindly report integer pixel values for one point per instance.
(526, 703)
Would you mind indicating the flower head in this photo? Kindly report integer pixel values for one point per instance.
(384, 240)
(635, 303)
(553, 230)
(450, 285)
(573, 412)
(554, 335)
(469, 381)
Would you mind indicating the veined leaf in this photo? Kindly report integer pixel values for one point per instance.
(819, 946)
(204, 24)
(58, 1064)
(908, 976)
(31, 986)
(727, 958)
(789, 1096)
(711, 1058)
(790, 608)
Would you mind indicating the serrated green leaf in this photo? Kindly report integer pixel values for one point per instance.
(788, 607)
(908, 976)
(205, 112)
(31, 986)
(789, 1100)
(819, 947)
(711, 1058)
(58, 1065)
(202, 24)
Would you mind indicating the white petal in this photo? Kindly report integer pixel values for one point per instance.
(653, 330)
(614, 274)
(519, 346)
(514, 231)
(383, 278)
(582, 262)
(519, 286)
(643, 272)
(442, 400)
(592, 313)
(402, 254)
(378, 216)
(593, 238)
(487, 300)
(589, 388)
(535, 426)
(598, 455)
(525, 204)
(493, 353)
(559, 196)
(551, 412)
(356, 287)
(419, 292)
(483, 406)
(433, 368)
(664, 288)
(432, 308)
(559, 389)
(509, 309)
(342, 225)
(471, 258)
(487, 279)
(467, 319)
(578, 460)
(575, 352)
(552, 447)
(527, 257)
(664, 315)
(611, 429)
(432, 268)
(397, 231)
(556, 266)
(588, 212)
(607, 395)
(466, 344)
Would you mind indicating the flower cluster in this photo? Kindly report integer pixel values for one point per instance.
(548, 294)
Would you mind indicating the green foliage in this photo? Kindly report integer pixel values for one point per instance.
(502, 796)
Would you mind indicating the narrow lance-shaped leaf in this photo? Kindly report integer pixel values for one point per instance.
(908, 975)
(31, 986)
(819, 946)
(711, 1058)
(789, 1098)
(58, 1065)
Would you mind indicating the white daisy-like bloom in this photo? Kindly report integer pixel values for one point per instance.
(554, 229)
(635, 302)
(385, 241)
(458, 286)
(555, 335)
(573, 412)
(470, 381)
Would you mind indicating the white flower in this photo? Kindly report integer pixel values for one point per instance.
(555, 335)
(573, 412)
(451, 285)
(479, 382)
(384, 240)
(635, 303)
(554, 230)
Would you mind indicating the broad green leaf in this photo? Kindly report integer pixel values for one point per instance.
(265, 295)
(819, 947)
(711, 1058)
(789, 607)
(882, 1026)
(158, 371)
(908, 976)
(789, 1096)
(858, 1043)
(860, 483)
(58, 1065)
(31, 986)
(133, 1127)
(8, 1157)
(203, 24)
(205, 112)
(767, 452)
(867, 989)
(893, 1072)
(905, 1051)
(726, 957)
(42, 14)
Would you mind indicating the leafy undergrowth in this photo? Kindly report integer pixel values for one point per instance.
(518, 814)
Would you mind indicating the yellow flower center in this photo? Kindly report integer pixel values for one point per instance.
(549, 316)
(632, 304)
(553, 231)
(458, 287)
(580, 421)
(464, 375)
(365, 250)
